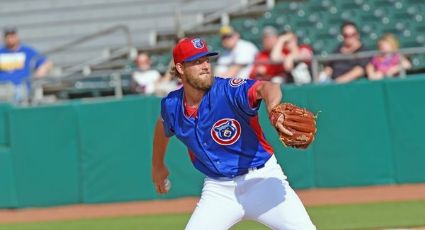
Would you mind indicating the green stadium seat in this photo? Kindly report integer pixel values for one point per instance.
(418, 61)
(318, 22)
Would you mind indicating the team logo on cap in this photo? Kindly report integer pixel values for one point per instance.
(226, 131)
(235, 82)
(197, 43)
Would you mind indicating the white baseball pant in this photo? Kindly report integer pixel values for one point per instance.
(263, 195)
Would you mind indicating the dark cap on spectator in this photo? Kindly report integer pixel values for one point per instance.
(269, 31)
(9, 30)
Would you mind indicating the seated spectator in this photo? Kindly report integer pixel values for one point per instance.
(237, 59)
(342, 71)
(388, 63)
(18, 62)
(144, 78)
(263, 68)
(295, 58)
(169, 82)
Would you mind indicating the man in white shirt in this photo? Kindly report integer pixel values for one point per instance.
(238, 57)
(144, 77)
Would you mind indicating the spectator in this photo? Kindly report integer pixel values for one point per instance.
(169, 82)
(263, 68)
(388, 63)
(237, 59)
(17, 61)
(295, 58)
(343, 71)
(144, 78)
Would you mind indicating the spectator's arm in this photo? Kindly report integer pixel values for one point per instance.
(372, 73)
(304, 54)
(233, 71)
(405, 64)
(351, 75)
(43, 69)
(168, 75)
(325, 74)
(276, 54)
(288, 62)
(328, 71)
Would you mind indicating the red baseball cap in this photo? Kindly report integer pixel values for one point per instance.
(190, 49)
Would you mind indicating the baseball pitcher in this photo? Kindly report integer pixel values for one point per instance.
(216, 118)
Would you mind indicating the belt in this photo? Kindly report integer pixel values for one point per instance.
(241, 173)
(252, 169)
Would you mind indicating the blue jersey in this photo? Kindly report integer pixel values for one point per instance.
(225, 139)
(15, 65)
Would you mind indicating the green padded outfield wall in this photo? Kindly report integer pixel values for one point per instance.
(4, 124)
(7, 178)
(353, 145)
(406, 111)
(44, 144)
(116, 145)
(93, 152)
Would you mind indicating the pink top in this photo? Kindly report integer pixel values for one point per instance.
(384, 63)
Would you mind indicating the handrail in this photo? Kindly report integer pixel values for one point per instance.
(317, 59)
(114, 76)
(37, 90)
(97, 34)
(83, 39)
(215, 15)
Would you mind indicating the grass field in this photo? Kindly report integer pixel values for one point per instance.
(337, 217)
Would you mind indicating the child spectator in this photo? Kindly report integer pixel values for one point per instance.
(388, 62)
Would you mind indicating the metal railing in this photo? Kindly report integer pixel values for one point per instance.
(127, 49)
(109, 80)
(221, 15)
(37, 93)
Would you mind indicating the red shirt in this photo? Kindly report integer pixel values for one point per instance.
(272, 70)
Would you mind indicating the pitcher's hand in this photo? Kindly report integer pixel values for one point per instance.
(159, 175)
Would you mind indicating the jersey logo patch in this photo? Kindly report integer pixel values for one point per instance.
(226, 131)
(197, 43)
(235, 82)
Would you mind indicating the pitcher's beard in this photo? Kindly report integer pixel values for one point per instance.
(202, 82)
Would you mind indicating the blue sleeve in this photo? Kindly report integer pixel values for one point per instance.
(40, 61)
(239, 90)
(38, 58)
(168, 129)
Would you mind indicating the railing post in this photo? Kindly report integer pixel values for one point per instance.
(315, 69)
(402, 73)
(116, 79)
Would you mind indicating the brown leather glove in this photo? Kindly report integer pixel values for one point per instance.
(290, 119)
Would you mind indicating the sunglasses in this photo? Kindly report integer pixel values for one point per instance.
(345, 35)
(224, 37)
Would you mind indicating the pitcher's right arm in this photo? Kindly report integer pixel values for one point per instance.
(159, 169)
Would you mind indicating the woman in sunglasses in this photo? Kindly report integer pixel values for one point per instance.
(342, 71)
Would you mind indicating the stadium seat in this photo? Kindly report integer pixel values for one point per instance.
(318, 22)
